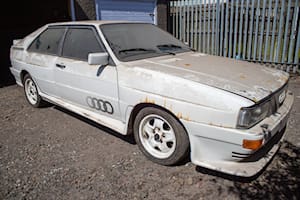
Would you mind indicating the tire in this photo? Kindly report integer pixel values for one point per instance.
(31, 92)
(160, 136)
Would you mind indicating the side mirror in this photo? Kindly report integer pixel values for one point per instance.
(98, 58)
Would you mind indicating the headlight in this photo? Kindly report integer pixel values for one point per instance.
(252, 115)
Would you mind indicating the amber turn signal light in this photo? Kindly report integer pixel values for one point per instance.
(252, 144)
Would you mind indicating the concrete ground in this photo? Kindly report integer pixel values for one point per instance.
(51, 153)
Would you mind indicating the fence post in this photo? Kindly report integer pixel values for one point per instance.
(257, 13)
(240, 28)
(262, 31)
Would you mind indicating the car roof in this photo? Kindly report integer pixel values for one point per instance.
(91, 22)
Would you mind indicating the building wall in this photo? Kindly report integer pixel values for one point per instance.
(85, 9)
(21, 18)
(162, 14)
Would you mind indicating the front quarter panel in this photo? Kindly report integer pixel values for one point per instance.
(186, 99)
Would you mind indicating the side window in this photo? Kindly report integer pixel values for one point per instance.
(48, 42)
(79, 42)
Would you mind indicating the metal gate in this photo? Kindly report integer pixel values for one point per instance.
(265, 31)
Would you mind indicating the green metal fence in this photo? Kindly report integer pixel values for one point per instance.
(265, 31)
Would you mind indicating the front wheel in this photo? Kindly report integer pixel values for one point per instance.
(160, 136)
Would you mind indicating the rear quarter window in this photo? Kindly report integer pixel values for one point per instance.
(48, 42)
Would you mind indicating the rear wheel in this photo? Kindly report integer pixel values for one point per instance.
(160, 136)
(31, 92)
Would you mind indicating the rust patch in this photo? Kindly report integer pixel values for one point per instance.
(218, 125)
(179, 115)
(87, 115)
(242, 76)
(171, 108)
(254, 99)
(149, 100)
(283, 78)
(186, 118)
(187, 65)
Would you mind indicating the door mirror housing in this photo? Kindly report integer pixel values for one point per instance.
(98, 58)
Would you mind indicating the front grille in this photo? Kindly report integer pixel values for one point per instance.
(278, 94)
(274, 99)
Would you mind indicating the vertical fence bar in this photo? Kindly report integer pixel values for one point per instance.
(204, 26)
(240, 28)
(187, 22)
(296, 59)
(287, 22)
(180, 21)
(280, 31)
(217, 35)
(172, 16)
(262, 30)
(208, 47)
(293, 31)
(200, 27)
(235, 28)
(257, 13)
(268, 30)
(222, 28)
(273, 32)
(226, 29)
(183, 20)
(230, 29)
(192, 23)
(196, 25)
(175, 19)
(213, 28)
(246, 30)
(251, 29)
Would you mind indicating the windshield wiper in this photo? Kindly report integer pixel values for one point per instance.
(169, 52)
(169, 46)
(136, 49)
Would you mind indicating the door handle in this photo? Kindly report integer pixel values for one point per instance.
(60, 66)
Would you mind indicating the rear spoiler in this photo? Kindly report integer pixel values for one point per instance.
(16, 41)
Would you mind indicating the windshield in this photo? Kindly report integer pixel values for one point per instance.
(135, 41)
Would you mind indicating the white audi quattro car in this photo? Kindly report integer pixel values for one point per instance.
(227, 115)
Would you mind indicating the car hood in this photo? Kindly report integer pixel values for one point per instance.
(249, 80)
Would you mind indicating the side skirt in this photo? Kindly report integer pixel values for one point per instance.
(114, 124)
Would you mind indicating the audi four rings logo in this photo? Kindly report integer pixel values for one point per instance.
(100, 104)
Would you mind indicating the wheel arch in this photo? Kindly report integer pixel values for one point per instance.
(137, 108)
(22, 75)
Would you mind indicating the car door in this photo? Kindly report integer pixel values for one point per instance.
(41, 57)
(92, 87)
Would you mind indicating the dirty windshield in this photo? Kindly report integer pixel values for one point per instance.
(135, 41)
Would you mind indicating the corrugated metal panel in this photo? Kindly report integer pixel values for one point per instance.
(265, 31)
(131, 10)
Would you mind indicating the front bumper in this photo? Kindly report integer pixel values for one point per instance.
(220, 148)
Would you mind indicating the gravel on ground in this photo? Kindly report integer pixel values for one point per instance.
(51, 153)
